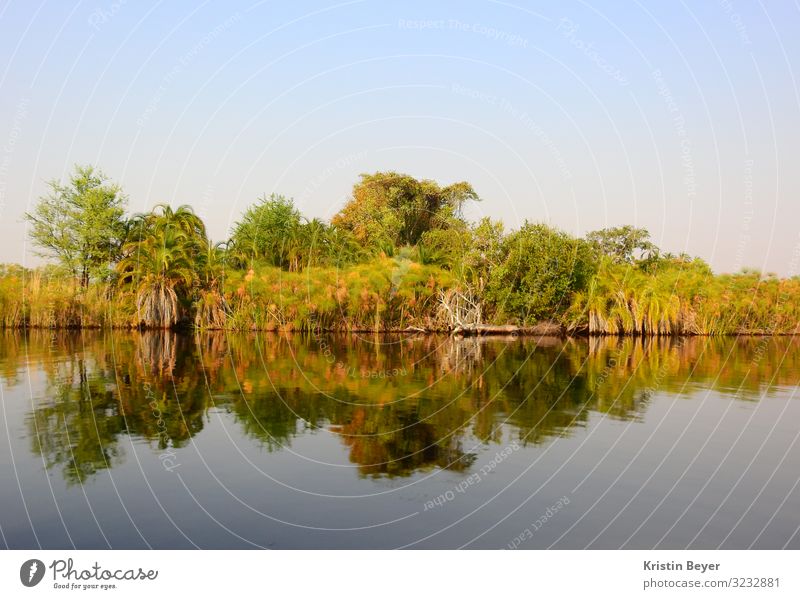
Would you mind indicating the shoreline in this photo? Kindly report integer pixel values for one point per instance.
(492, 331)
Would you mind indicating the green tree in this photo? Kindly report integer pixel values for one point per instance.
(343, 247)
(542, 268)
(625, 244)
(81, 223)
(444, 247)
(485, 251)
(268, 230)
(161, 273)
(182, 219)
(389, 208)
(166, 260)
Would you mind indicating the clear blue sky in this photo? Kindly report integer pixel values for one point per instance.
(682, 117)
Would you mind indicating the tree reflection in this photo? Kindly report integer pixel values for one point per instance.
(399, 404)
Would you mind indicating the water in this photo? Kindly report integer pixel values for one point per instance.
(131, 440)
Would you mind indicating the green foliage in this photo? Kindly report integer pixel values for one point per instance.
(49, 298)
(485, 251)
(383, 294)
(396, 209)
(542, 268)
(343, 247)
(399, 255)
(167, 257)
(445, 247)
(267, 231)
(273, 231)
(683, 297)
(625, 244)
(81, 223)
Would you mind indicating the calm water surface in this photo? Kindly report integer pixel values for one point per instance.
(131, 440)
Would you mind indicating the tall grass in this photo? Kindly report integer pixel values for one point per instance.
(380, 295)
(46, 298)
(685, 299)
(400, 293)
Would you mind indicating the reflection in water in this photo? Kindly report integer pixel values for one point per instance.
(399, 404)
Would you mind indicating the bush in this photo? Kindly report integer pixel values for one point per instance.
(543, 267)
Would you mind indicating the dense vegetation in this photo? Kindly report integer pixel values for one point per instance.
(399, 256)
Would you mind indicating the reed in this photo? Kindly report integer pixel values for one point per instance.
(401, 293)
(684, 299)
(381, 295)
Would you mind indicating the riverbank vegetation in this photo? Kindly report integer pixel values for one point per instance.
(399, 255)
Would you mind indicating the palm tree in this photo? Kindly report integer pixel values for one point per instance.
(343, 247)
(157, 268)
(161, 262)
(316, 242)
(211, 308)
(182, 218)
(163, 216)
